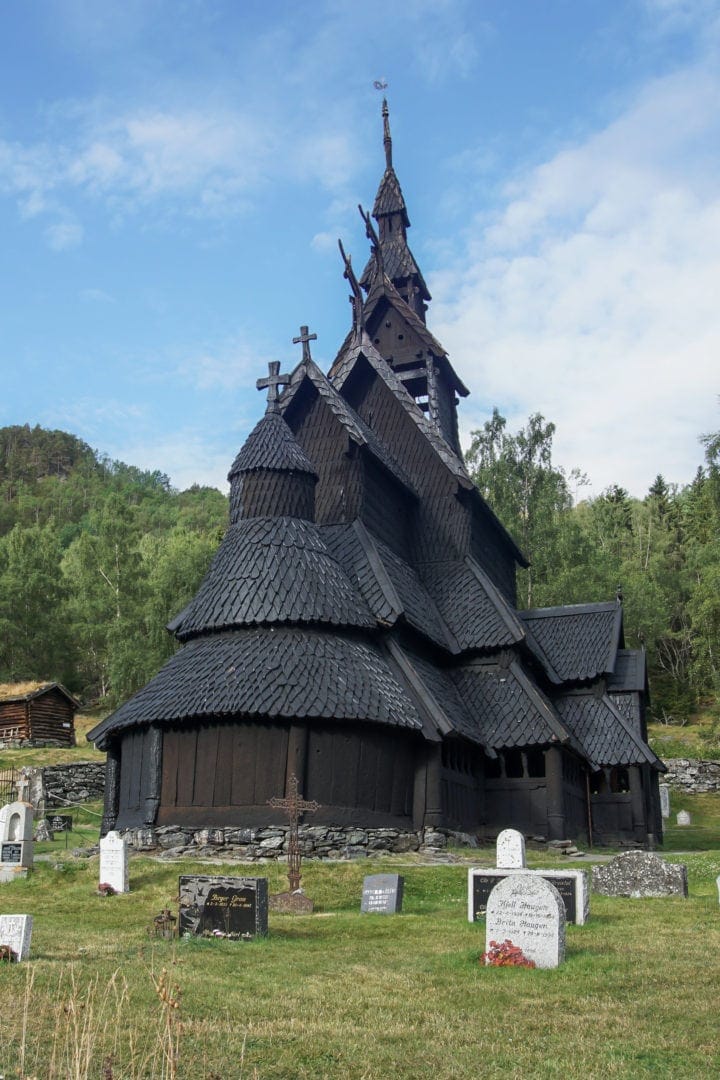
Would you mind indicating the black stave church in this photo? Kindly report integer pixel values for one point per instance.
(358, 626)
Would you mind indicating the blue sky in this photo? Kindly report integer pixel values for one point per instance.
(174, 175)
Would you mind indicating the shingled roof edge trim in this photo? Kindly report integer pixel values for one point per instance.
(501, 605)
(376, 565)
(648, 754)
(353, 424)
(429, 708)
(615, 641)
(443, 449)
(540, 655)
(545, 708)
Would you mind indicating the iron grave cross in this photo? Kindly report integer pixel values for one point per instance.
(295, 805)
(305, 338)
(272, 382)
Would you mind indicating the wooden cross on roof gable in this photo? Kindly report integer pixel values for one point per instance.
(305, 338)
(272, 382)
(295, 805)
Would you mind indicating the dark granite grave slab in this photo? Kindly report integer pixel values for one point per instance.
(11, 853)
(382, 894)
(60, 823)
(573, 892)
(235, 907)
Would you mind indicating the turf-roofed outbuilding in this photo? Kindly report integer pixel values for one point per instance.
(358, 627)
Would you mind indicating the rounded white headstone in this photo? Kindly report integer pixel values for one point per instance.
(683, 817)
(529, 912)
(510, 850)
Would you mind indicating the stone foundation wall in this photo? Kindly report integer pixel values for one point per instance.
(271, 842)
(693, 776)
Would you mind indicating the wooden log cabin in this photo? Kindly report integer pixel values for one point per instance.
(41, 713)
(359, 628)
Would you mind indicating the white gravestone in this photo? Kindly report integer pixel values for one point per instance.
(665, 801)
(114, 862)
(717, 882)
(16, 843)
(510, 850)
(529, 912)
(683, 817)
(15, 931)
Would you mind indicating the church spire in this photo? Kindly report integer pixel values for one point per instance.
(390, 212)
(387, 138)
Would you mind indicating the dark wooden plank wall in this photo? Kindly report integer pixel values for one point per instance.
(386, 509)
(224, 774)
(338, 493)
(361, 774)
(14, 720)
(516, 804)
(213, 772)
(48, 715)
(441, 522)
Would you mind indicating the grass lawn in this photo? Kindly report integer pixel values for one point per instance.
(337, 994)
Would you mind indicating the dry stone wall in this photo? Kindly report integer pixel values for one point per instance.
(56, 786)
(693, 776)
(271, 842)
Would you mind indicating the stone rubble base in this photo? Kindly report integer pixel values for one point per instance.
(271, 842)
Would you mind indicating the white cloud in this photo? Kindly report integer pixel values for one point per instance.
(231, 365)
(591, 295)
(64, 235)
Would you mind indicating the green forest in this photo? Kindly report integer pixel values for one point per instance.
(97, 556)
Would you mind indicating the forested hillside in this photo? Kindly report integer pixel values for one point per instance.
(96, 557)
(662, 552)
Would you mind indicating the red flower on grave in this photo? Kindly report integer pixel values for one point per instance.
(505, 955)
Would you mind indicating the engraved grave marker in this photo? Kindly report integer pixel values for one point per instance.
(382, 894)
(529, 912)
(114, 862)
(510, 850)
(15, 931)
(235, 907)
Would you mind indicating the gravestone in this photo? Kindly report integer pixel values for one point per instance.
(573, 886)
(640, 874)
(16, 842)
(16, 931)
(683, 817)
(665, 800)
(218, 906)
(510, 850)
(382, 894)
(60, 823)
(528, 911)
(114, 869)
(717, 882)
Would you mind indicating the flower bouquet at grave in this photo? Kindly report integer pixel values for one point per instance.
(105, 889)
(505, 954)
(8, 955)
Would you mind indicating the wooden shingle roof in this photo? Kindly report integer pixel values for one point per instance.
(274, 571)
(512, 710)
(577, 642)
(606, 736)
(271, 445)
(282, 673)
(475, 611)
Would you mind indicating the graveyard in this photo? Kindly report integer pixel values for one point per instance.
(345, 991)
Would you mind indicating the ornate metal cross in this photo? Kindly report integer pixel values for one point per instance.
(295, 805)
(272, 382)
(305, 338)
